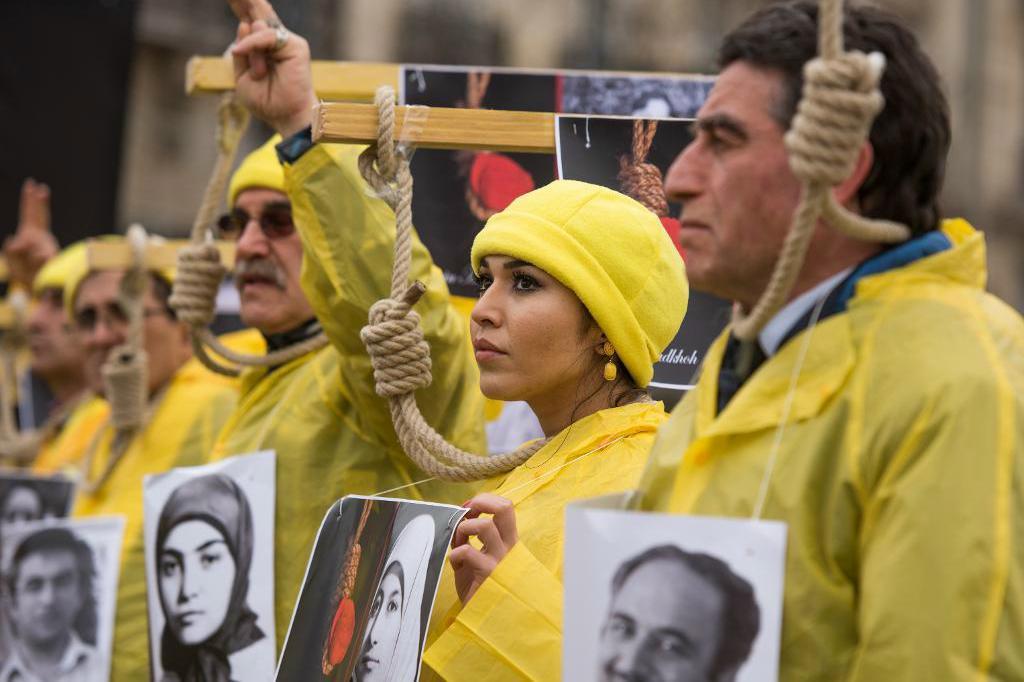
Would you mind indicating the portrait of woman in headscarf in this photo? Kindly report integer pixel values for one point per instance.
(204, 551)
(393, 641)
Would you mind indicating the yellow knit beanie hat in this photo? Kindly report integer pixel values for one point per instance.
(610, 251)
(260, 169)
(70, 265)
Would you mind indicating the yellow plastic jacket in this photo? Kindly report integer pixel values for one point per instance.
(901, 476)
(512, 627)
(63, 452)
(181, 432)
(332, 433)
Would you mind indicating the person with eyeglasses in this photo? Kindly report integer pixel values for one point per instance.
(314, 252)
(187, 406)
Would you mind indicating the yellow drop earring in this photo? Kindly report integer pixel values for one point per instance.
(611, 370)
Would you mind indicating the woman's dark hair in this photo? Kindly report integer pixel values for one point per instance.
(910, 136)
(217, 500)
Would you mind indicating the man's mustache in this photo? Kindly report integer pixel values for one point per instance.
(260, 268)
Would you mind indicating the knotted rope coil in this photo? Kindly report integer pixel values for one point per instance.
(17, 448)
(394, 337)
(200, 271)
(839, 102)
(640, 179)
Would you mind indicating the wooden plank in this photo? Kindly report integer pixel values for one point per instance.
(440, 128)
(118, 255)
(348, 81)
(4, 272)
(6, 316)
(358, 81)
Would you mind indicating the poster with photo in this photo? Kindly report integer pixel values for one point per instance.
(670, 597)
(632, 156)
(25, 497)
(59, 598)
(209, 543)
(369, 590)
(456, 191)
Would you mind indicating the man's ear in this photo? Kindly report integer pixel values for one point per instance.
(846, 191)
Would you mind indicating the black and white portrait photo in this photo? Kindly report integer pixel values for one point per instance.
(671, 598)
(369, 591)
(59, 592)
(209, 571)
(24, 498)
(632, 156)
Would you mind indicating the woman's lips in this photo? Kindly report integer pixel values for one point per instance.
(485, 351)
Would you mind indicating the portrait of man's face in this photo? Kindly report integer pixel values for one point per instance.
(664, 625)
(46, 596)
(196, 578)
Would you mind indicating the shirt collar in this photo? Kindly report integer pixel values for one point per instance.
(76, 655)
(774, 332)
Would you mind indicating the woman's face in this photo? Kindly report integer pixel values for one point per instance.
(22, 505)
(196, 573)
(531, 334)
(382, 631)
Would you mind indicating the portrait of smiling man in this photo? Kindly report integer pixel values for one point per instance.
(52, 610)
(677, 616)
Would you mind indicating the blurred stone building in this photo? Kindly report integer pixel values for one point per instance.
(978, 46)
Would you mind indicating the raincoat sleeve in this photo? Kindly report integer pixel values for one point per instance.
(348, 237)
(520, 596)
(936, 539)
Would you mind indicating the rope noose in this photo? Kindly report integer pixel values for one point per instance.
(839, 103)
(394, 338)
(125, 373)
(200, 271)
(343, 625)
(17, 448)
(638, 178)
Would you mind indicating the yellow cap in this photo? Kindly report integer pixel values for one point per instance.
(608, 249)
(68, 265)
(77, 275)
(260, 169)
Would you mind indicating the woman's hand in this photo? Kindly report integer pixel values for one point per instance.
(496, 532)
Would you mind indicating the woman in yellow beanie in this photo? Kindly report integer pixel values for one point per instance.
(580, 291)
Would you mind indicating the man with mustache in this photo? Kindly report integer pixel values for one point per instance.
(880, 412)
(314, 252)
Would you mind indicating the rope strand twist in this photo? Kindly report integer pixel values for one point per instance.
(394, 337)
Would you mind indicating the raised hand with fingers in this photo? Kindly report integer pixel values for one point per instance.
(492, 521)
(272, 75)
(32, 244)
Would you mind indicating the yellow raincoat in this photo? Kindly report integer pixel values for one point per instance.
(332, 433)
(181, 432)
(63, 452)
(901, 476)
(512, 627)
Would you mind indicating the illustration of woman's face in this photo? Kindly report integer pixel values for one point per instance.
(383, 628)
(196, 574)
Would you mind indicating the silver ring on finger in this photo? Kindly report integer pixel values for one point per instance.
(281, 36)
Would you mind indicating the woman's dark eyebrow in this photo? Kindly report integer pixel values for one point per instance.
(513, 264)
(173, 552)
(208, 543)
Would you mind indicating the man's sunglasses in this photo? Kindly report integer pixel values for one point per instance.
(275, 221)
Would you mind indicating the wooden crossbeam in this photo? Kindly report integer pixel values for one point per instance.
(118, 255)
(349, 81)
(358, 81)
(440, 128)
